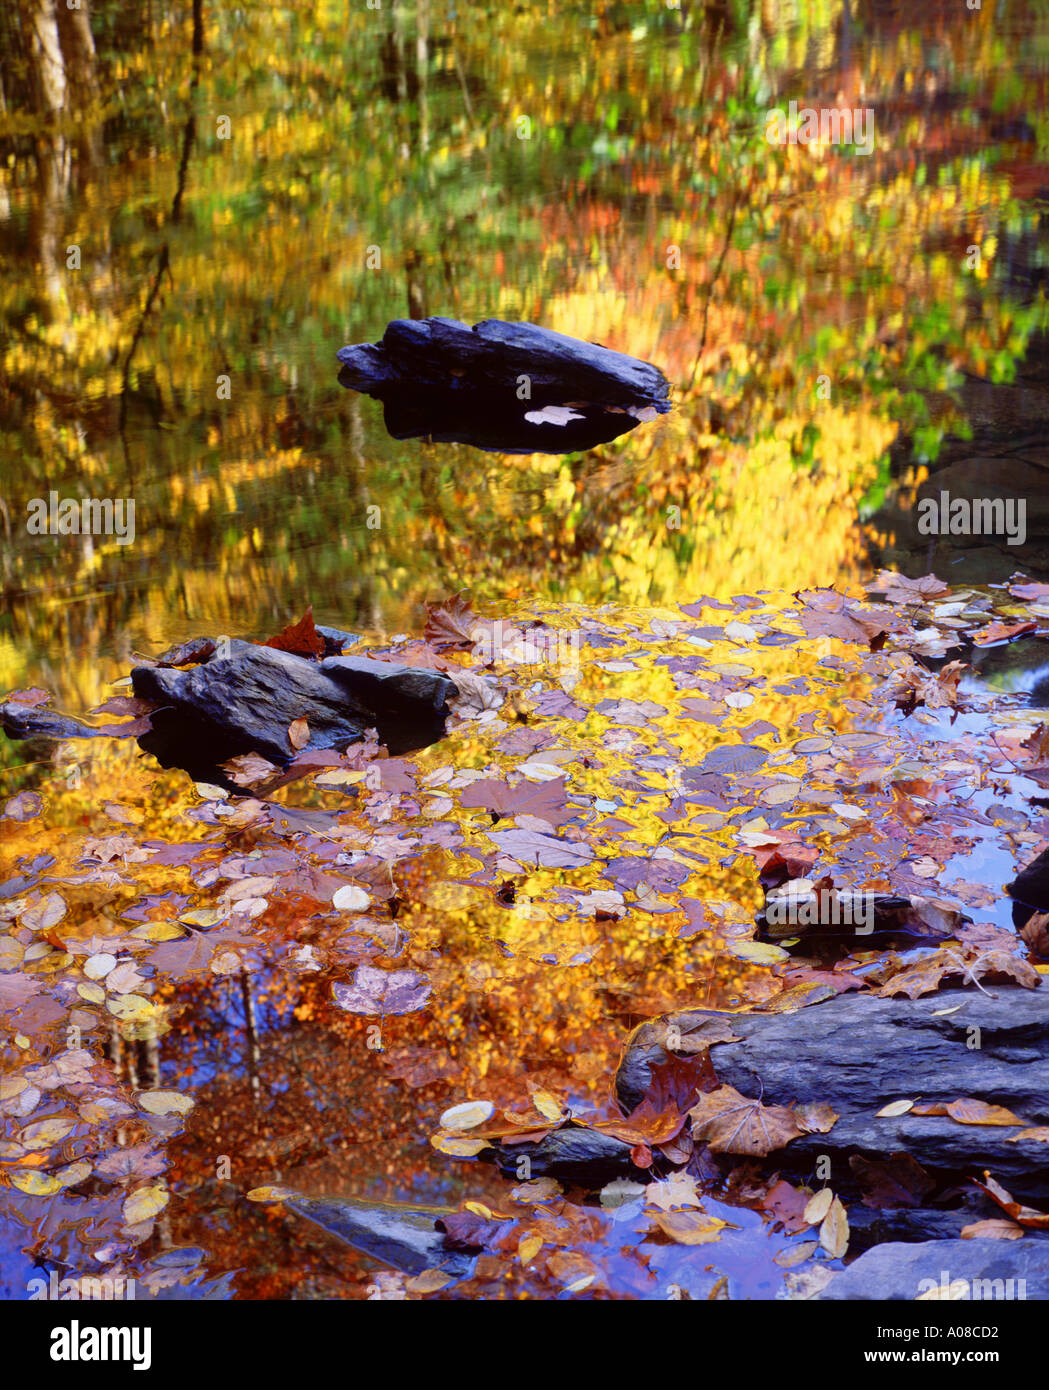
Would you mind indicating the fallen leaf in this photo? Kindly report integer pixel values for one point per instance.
(144, 1203)
(979, 1112)
(731, 1123)
(893, 1109)
(834, 1232)
(993, 1228)
(382, 991)
(301, 638)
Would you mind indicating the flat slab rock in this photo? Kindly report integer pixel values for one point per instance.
(442, 379)
(246, 702)
(406, 1238)
(980, 1270)
(859, 1052)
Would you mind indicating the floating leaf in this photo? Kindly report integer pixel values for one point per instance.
(165, 1102)
(144, 1203)
(456, 1147)
(382, 992)
(35, 1184)
(350, 899)
(468, 1115)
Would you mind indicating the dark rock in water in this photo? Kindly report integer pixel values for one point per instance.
(406, 1238)
(29, 721)
(1029, 890)
(870, 1226)
(823, 920)
(572, 1152)
(441, 379)
(992, 1271)
(335, 639)
(858, 1052)
(246, 701)
(243, 698)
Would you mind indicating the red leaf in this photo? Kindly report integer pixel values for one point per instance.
(301, 638)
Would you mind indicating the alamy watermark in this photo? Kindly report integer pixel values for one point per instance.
(803, 907)
(85, 1286)
(957, 1289)
(830, 125)
(978, 516)
(82, 516)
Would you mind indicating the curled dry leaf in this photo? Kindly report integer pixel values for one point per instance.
(818, 1206)
(1023, 1216)
(994, 1228)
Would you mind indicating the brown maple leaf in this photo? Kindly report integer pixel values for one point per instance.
(1001, 632)
(1035, 934)
(731, 1123)
(925, 976)
(189, 653)
(546, 800)
(829, 614)
(450, 621)
(978, 1112)
(663, 1110)
(252, 771)
(1038, 745)
(917, 686)
(897, 588)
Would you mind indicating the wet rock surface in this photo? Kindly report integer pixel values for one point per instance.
(859, 1053)
(403, 1237)
(983, 1270)
(246, 702)
(573, 1152)
(243, 698)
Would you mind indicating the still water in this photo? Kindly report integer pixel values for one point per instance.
(834, 322)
